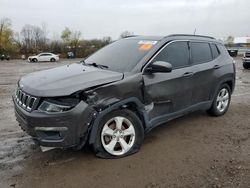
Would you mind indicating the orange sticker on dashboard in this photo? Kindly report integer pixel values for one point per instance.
(146, 47)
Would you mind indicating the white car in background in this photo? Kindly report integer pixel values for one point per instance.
(43, 57)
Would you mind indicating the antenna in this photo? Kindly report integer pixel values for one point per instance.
(194, 31)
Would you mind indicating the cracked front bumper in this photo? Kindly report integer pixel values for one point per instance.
(63, 130)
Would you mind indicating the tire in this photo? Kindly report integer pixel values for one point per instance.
(34, 60)
(52, 60)
(246, 65)
(221, 101)
(109, 133)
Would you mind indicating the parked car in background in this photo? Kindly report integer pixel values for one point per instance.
(246, 60)
(233, 52)
(23, 57)
(5, 57)
(116, 95)
(70, 55)
(44, 57)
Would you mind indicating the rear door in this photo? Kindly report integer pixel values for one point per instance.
(170, 92)
(204, 65)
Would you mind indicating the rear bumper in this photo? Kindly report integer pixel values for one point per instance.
(63, 130)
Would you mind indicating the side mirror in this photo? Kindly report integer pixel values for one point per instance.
(159, 66)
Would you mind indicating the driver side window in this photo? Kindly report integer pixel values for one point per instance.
(176, 53)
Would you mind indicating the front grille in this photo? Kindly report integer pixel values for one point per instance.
(247, 54)
(24, 100)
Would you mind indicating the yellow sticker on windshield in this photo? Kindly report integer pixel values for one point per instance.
(146, 45)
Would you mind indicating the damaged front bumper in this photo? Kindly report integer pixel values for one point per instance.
(61, 130)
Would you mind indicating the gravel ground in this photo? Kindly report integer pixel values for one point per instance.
(193, 151)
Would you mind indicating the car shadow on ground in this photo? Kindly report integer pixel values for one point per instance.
(60, 156)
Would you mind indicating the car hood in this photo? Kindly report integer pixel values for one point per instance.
(65, 80)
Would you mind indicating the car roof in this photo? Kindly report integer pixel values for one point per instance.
(175, 37)
(46, 53)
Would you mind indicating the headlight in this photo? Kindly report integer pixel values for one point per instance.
(51, 107)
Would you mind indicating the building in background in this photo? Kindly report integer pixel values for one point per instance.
(237, 45)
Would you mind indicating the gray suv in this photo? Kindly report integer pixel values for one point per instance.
(116, 95)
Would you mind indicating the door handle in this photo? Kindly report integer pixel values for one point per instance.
(216, 66)
(186, 74)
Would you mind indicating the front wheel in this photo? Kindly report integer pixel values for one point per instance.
(34, 60)
(120, 133)
(221, 101)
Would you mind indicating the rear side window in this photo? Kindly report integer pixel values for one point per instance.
(215, 50)
(175, 53)
(200, 52)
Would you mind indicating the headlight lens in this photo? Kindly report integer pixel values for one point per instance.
(52, 107)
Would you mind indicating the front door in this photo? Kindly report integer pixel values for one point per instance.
(170, 92)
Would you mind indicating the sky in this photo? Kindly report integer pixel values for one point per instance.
(99, 18)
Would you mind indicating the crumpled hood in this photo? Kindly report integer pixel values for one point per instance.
(65, 80)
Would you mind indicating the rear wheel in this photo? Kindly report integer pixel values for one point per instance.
(120, 133)
(52, 60)
(221, 101)
(246, 65)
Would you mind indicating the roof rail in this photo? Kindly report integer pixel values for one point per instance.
(190, 35)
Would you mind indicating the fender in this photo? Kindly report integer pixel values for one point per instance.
(140, 108)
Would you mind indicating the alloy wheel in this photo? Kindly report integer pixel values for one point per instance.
(118, 135)
(222, 100)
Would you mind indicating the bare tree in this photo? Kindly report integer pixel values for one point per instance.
(71, 39)
(107, 40)
(34, 38)
(125, 34)
(66, 34)
(6, 33)
(75, 41)
(27, 39)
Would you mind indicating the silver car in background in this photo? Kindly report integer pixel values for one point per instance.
(46, 56)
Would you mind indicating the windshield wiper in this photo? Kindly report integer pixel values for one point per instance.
(96, 65)
(83, 62)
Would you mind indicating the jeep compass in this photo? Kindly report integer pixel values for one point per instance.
(113, 97)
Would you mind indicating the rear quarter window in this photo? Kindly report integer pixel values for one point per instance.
(200, 52)
(215, 51)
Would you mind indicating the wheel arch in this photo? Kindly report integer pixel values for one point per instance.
(230, 84)
(133, 104)
(230, 81)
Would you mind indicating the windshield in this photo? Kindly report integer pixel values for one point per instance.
(122, 55)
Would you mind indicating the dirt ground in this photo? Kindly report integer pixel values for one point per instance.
(193, 151)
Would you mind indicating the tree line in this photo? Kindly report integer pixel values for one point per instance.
(33, 39)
